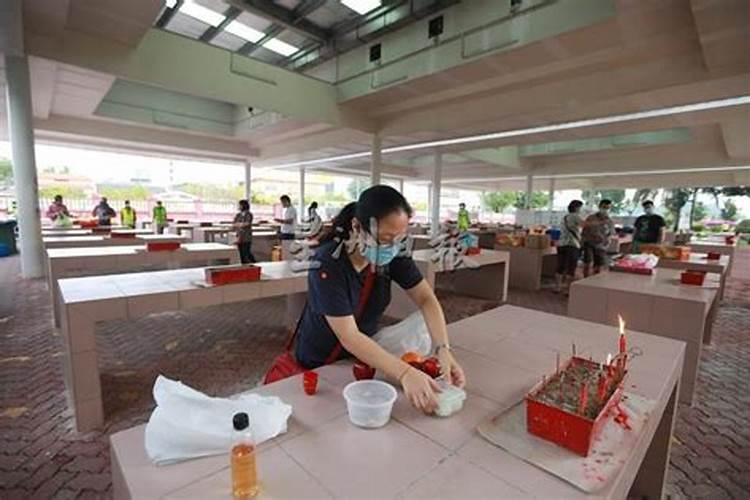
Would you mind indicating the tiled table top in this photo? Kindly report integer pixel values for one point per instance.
(77, 252)
(663, 283)
(504, 351)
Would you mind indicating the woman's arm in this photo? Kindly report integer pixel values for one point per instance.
(424, 297)
(418, 387)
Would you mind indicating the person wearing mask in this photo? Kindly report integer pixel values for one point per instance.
(569, 246)
(159, 217)
(57, 210)
(649, 227)
(103, 212)
(464, 220)
(288, 219)
(128, 215)
(598, 230)
(316, 223)
(243, 225)
(349, 290)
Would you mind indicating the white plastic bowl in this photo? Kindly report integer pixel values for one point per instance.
(369, 403)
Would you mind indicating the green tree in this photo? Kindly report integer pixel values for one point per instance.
(539, 199)
(125, 193)
(498, 201)
(356, 186)
(617, 196)
(6, 171)
(62, 189)
(729, 212)
(699, 212)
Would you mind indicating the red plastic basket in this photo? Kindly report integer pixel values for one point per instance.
(713, 256)
(692, 278)
(569, 430)
(163, 246)
(232, 274)
(473, 251)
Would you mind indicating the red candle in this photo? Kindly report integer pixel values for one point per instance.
(622, 343)
(583, 399)
(601, 390)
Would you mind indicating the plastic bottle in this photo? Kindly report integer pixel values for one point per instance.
(244, 472)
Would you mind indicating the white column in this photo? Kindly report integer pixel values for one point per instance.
(376, 167)
(529, 190)
(20, 128)
(551, 198)
(302, 214)
(437, 174)
(401, 186)
(248, 182)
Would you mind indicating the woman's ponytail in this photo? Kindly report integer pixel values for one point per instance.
(342, 223)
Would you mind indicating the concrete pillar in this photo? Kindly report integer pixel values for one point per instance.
(302, 208)
(376, 167)
(529, 191)
(437, 174)
(21, 132)
(248, 182)
(551, 198)
(401, 186)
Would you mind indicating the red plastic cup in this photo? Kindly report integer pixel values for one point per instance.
(362, 371)
(310, 382)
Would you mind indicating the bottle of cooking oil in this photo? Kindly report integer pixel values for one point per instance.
(244, 472)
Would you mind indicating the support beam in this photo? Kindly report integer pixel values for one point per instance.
(283, 16)
(529, 191)
(435, 194)
(376, 168)
(551, 197)
(302, 10)
(401, 186)
(302, 194)
(21, 131)
(248, 182)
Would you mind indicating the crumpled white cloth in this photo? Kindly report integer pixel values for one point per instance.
(188, 424)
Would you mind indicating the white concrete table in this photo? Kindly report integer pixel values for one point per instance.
(529, 264)
(93, 240)
(489, 282)
(505, 352)
(658, 304)
(130, 232)
(700, 262)
(208, 234)
(66, 232)
(179, 228)
(93, 261)
(90, 300)
(717, 246)
(161, 238)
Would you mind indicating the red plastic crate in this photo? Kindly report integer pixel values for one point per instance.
(116, 234)
(569, 430)
(232, 274)
(473, 251)
(87, 223)
(163, 246)
(101, 230)
(692, 278)
(713, 256)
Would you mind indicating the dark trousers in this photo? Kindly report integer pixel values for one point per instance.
(246, 252)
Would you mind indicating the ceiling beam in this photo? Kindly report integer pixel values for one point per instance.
(305, 8)
(736, 134)
(283, 16)
(229, 15)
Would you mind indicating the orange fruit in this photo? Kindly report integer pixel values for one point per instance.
(411, 357)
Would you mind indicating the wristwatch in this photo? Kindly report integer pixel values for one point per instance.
(442, 346)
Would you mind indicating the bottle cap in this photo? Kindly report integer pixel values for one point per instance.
(240, 421)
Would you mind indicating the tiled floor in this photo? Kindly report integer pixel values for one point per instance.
(226, 349)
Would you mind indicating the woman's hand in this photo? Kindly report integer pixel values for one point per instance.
(451, 369)
(420, 389)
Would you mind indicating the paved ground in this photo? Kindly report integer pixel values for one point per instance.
(226, 349)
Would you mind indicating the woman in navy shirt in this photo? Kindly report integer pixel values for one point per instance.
(368, 237)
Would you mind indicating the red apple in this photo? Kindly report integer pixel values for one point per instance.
(431, 366)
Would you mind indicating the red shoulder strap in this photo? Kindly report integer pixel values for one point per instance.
(364, 296)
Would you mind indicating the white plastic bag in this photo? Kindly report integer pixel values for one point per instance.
(409, 335)
(188, 424)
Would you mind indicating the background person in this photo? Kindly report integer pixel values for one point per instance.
(337, 321)
(464, 220)
(598, 230)
(288, 219)
(648, 228)
(57, 209)
(159, 217)
(569, 246)
(243, 224)
(103, 212)
(316, 223)
(128, 215)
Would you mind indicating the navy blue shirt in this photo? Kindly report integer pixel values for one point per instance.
(334, 289)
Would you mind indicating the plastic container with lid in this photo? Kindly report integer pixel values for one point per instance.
(369, 402)
(450, 399)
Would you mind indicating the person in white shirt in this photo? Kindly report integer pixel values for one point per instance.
(288, 219)
(314, 220)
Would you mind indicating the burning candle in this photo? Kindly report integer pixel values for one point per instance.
(623, 347)
(583, 398)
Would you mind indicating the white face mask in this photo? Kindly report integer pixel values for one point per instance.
(604, 211)
(649, 210)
